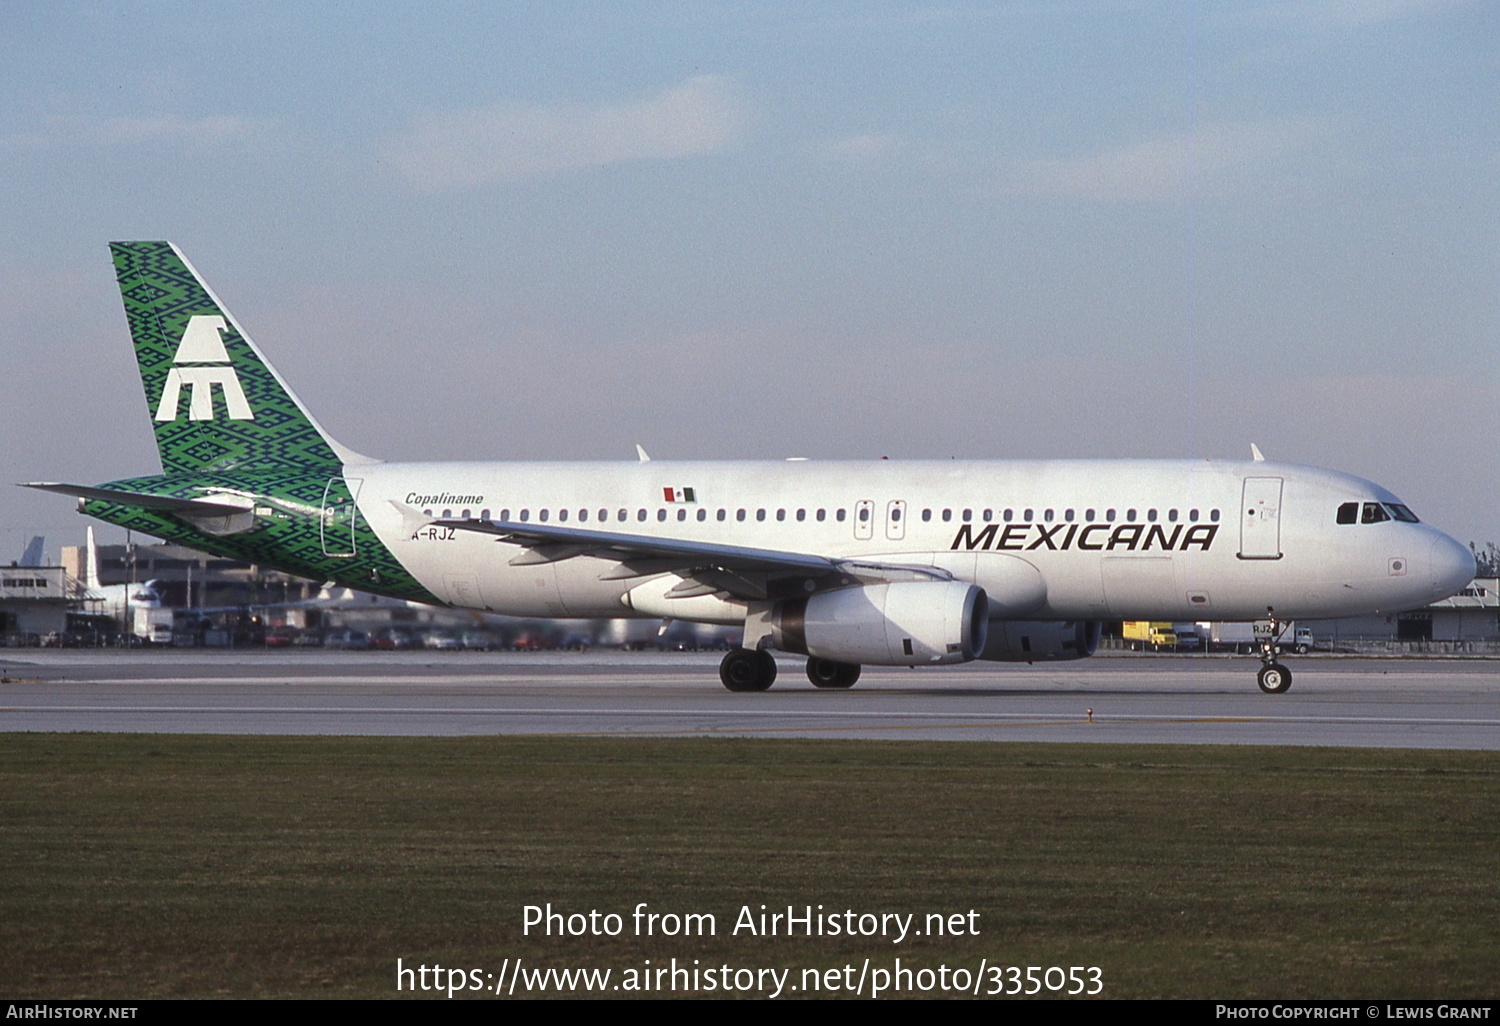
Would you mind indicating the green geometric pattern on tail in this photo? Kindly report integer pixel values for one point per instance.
(291, 539)
(212, 431)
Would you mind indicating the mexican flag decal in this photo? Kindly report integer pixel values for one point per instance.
(678, 495)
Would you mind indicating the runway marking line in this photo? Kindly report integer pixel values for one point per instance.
(802, 714)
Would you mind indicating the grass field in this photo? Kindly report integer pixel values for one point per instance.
(139, 866)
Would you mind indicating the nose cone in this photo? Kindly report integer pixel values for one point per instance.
(1452, 566)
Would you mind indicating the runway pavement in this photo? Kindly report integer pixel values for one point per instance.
(1418, 703)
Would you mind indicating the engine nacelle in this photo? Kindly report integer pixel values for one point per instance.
(907, 623)
(1031, 641)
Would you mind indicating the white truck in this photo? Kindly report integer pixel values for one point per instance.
(151, 624)
(1246, 637)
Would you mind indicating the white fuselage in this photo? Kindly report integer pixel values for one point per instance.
(1046, 539)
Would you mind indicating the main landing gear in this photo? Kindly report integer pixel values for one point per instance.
(825, 673)
(745, 669)
(1273, 678)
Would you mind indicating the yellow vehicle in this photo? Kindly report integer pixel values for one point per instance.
(1141, 635)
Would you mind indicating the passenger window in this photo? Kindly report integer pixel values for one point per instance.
(623, 516)
(739, 515)
(1151, 515)
(562, 516)
(681, 515)
(1213, 515)
(1348, 513)
(1193, 515)
(1009, 515)
(989, 515)
(525, 515)
(1029, 517)
(604, 516)
(661, 515)
(895, 514)
(864, 514)
(448, 514)
(822, 515)
(583, 516)
(463, 514)
(427, 512)
(801, 515)
(1374, 513)
(1088, 514)
(1130, 516)
(760, 514)
(484, 514)
(505, 514)
(721, 515)
(1172, 515)
(968, 515)
(1047, 515)
(947, 515)
(926, 515)
(542, 516)
(1109, 515)
(781, 514)
(702, 515)
(640, 515)
(839, 516)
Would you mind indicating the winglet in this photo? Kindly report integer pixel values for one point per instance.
(1255, 453)
(641, 452)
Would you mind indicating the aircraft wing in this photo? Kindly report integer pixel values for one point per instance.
(736, 569)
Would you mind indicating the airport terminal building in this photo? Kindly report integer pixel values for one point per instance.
(1470, 617)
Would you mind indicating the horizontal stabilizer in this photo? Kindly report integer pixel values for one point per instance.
(218, 506)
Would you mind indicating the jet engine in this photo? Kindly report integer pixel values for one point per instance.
(907, 623)
(1030, 641)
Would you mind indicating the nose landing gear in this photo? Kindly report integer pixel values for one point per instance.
(1273, 678)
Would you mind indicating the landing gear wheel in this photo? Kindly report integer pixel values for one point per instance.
(1274, 679)
(747, 670)
(825, 673)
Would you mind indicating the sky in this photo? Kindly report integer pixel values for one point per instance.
(552, 231)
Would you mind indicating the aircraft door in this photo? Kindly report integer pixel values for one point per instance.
(340, 516)
(1260, 519)
(895, 519)
(864, 520)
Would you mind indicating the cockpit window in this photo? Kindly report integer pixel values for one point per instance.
(1401, 513)
(1374, 513)
(1349, 513)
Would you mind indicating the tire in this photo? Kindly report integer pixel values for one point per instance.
(745, 670)
(825, 673)
(1274, 679)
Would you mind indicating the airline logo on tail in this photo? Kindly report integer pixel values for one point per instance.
(201, 363)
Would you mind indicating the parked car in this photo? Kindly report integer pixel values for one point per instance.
(350, 639)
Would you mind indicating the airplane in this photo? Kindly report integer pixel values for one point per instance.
(33, 555)
(849, 563)
(114, 600)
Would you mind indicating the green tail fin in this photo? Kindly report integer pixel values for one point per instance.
(214, 400)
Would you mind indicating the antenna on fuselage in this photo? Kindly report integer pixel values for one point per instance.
(1255, 453)
(641, 452)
